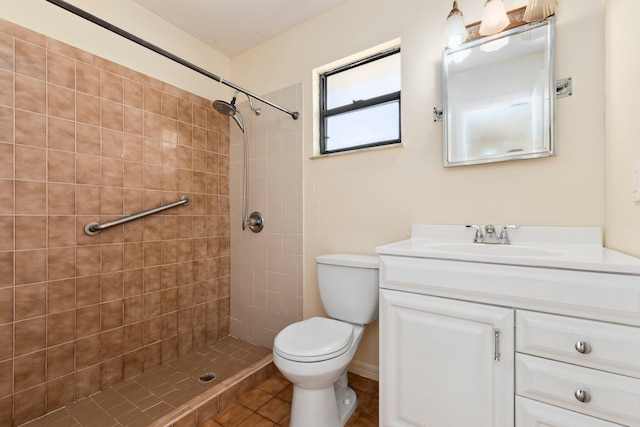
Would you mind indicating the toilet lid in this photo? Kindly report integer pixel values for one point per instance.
(313, 340)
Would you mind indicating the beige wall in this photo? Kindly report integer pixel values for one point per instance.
(623, 142)
(356, 202)
(359, 201)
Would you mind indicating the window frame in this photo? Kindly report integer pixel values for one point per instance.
(355, 106)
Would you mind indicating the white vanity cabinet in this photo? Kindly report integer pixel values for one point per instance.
(568, 341)
(579, 365)
(446, 362)
(530, 413)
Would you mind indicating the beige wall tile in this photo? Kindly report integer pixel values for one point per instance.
(61, 102)
(61, 134)
(31, 197)
(61, 327)
(30, 60)
(61, 70)
(29, 404)
(88, 79)
(60, 360)
(29, 370)
(7, 58)
(30, 335)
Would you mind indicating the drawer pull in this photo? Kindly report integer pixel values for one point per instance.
(582, 395)
(583, 347)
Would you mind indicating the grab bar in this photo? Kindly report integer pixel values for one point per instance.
(94, 228)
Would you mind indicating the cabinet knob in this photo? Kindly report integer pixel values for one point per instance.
(583, 347)
(582, 395)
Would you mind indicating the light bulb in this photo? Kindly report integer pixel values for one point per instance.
(455, 32)
(537, 10)
(494, 18)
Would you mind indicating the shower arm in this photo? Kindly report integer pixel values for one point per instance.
(294, 114)
(108, 26)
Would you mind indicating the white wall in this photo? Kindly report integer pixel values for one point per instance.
(623, 141)
(359, 201)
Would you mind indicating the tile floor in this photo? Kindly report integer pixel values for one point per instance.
(148, 398)
(269, 405)
(263, 398)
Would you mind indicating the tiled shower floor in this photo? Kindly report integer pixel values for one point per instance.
(248, 392)
(167, 391)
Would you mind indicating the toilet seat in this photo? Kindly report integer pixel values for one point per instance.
(314, 340)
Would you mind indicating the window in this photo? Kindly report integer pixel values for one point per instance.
(360, 104)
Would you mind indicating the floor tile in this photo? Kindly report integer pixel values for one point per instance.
(139, 401)
(272, 398)
(274, 385)
(233, 415)
(256, 420)
(136, 401)
(254, 399)
(275, 409)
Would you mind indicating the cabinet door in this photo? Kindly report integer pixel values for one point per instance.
(530, 413)
(445, 363)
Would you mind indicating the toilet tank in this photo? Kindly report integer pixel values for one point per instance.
(348, 286)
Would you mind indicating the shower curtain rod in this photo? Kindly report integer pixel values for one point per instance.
(106, 25)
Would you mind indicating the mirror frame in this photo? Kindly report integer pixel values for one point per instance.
(550, 60)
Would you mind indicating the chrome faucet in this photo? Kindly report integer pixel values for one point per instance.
(489, 236)
(479, 237)
(504, 236)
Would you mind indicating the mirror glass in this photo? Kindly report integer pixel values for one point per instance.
(499, 96)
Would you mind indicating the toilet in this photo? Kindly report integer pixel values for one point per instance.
(314, 354)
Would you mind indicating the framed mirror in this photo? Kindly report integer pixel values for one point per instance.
(499, 96)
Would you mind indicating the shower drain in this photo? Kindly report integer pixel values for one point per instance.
(209, 376)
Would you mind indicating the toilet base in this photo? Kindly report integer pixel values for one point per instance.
(322, 408)
(346, 399)
(347, 406)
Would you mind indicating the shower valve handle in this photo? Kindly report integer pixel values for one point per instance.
(255, 222)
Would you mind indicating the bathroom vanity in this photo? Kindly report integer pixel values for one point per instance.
(544, 331)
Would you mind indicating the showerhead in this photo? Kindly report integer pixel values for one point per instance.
(224, 107)
(229, 109)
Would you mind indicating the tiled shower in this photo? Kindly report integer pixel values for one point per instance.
(266, 268)
(83, 140)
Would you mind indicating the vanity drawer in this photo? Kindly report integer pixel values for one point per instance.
(612, 397)
(530, 413)
(605, 346)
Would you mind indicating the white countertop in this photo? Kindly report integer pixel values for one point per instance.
(573, 248)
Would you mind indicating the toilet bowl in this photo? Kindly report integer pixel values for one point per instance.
(314, 354)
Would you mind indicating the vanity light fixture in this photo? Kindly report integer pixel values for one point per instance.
(494, 18)
(537, 10)
(455, 32)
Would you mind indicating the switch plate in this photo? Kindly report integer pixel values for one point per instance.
(635, 183)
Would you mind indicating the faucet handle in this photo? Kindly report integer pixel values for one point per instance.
(479, 236)
(504, 236)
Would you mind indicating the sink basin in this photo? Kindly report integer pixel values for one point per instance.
(489, 249)
(568, 248)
